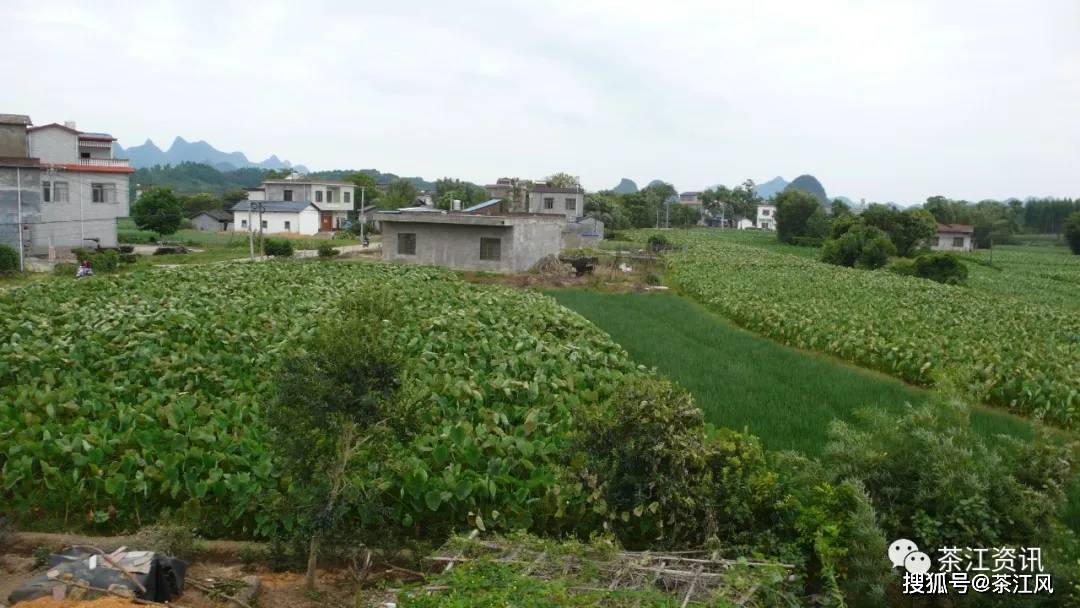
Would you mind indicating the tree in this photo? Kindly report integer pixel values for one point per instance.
(332, 396)
(563, 180)
(794, 209)
(608, 208)
(658, 194)
(839, 208)
(400, 193)
(1072, 232)
(158, 209)
(232, 197)
(197, 203)
(684, 215)
(859, 246)
(908, 229)
(739, 202)
(448, 190)
(364, 181)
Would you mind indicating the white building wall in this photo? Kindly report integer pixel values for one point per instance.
(766, 217)
(305, 222)
(945, 242)
(68, 225)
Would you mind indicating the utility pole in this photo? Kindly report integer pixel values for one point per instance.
(261, 246)
(667, 213)
(251, 233)
(19, 227)
(362, 219)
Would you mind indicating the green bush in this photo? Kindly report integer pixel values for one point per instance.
(326, 250)
(859, 246)
(942, 267)
(128, 258)
(9, 260)
(659, 242)
(105, 261)
(1072, 232)
(82, 254)
(932, 479)
(281, 248)
(904, 267)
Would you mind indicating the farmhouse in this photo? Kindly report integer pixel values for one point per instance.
(953, 237)
(329, 201)
(468, 241)
(297, 217)
(213, 220)
(766, 217)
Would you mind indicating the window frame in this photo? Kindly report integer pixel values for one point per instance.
(60, 187)
(46, 191)
(318, 196)
(264, 225)
(404, 238)
(497, 248)
(243, 224)
(958, 241)
(288, 226)
(286, 194)
(571, 203)
(549, 202)
(346, 197)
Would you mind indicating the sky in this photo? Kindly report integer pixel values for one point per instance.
(887, 101)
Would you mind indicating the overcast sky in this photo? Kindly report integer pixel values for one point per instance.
(891, 101)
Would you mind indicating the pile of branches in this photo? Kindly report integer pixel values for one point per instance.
(691, 576)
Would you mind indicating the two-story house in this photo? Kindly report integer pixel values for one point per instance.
(83, 188)
(523, 196)
(766, 217)
(297, 206)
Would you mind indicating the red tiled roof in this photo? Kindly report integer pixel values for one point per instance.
(962, 228)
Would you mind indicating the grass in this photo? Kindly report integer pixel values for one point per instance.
(785, 396)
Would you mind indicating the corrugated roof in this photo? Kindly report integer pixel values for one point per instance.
(85, 135)
(483, 205)
(274, 206)
(14, 119)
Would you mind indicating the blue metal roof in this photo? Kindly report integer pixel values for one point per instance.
(274, 206)
(483, 205)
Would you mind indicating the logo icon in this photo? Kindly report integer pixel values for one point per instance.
(899, 550)
(917, 562)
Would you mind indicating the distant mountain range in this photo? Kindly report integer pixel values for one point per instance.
(626, 186)
(771, 188)
(181, 150)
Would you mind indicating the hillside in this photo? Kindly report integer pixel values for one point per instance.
(626, 186)
(771, 188)
(148, 154)
(810, 185)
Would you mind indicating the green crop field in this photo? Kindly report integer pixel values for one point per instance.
(126, 395)
(785, 396)
(1006, 350)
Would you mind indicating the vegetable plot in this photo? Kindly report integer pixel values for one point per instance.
(1009, 351)
(124, 396)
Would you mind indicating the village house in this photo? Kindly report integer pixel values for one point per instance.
(469, 241)
(295, 205)
(953, 237)
(524, 196)
(60, 188)
(692, 199)
(766, 217)
(212, 220)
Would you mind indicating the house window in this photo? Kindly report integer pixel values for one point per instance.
(348, 197)
(571, 204)
(103, 193)
(263, 225)
(329, 196)
(60, 192)
(287, 195)
(288, 226)
(406, 243)
(318, 196)
(958, 241)
(490, 249)
(765, 212)
(46, 192)
(243, 223)
(549, 203)
(936, 242)
(84, 155)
